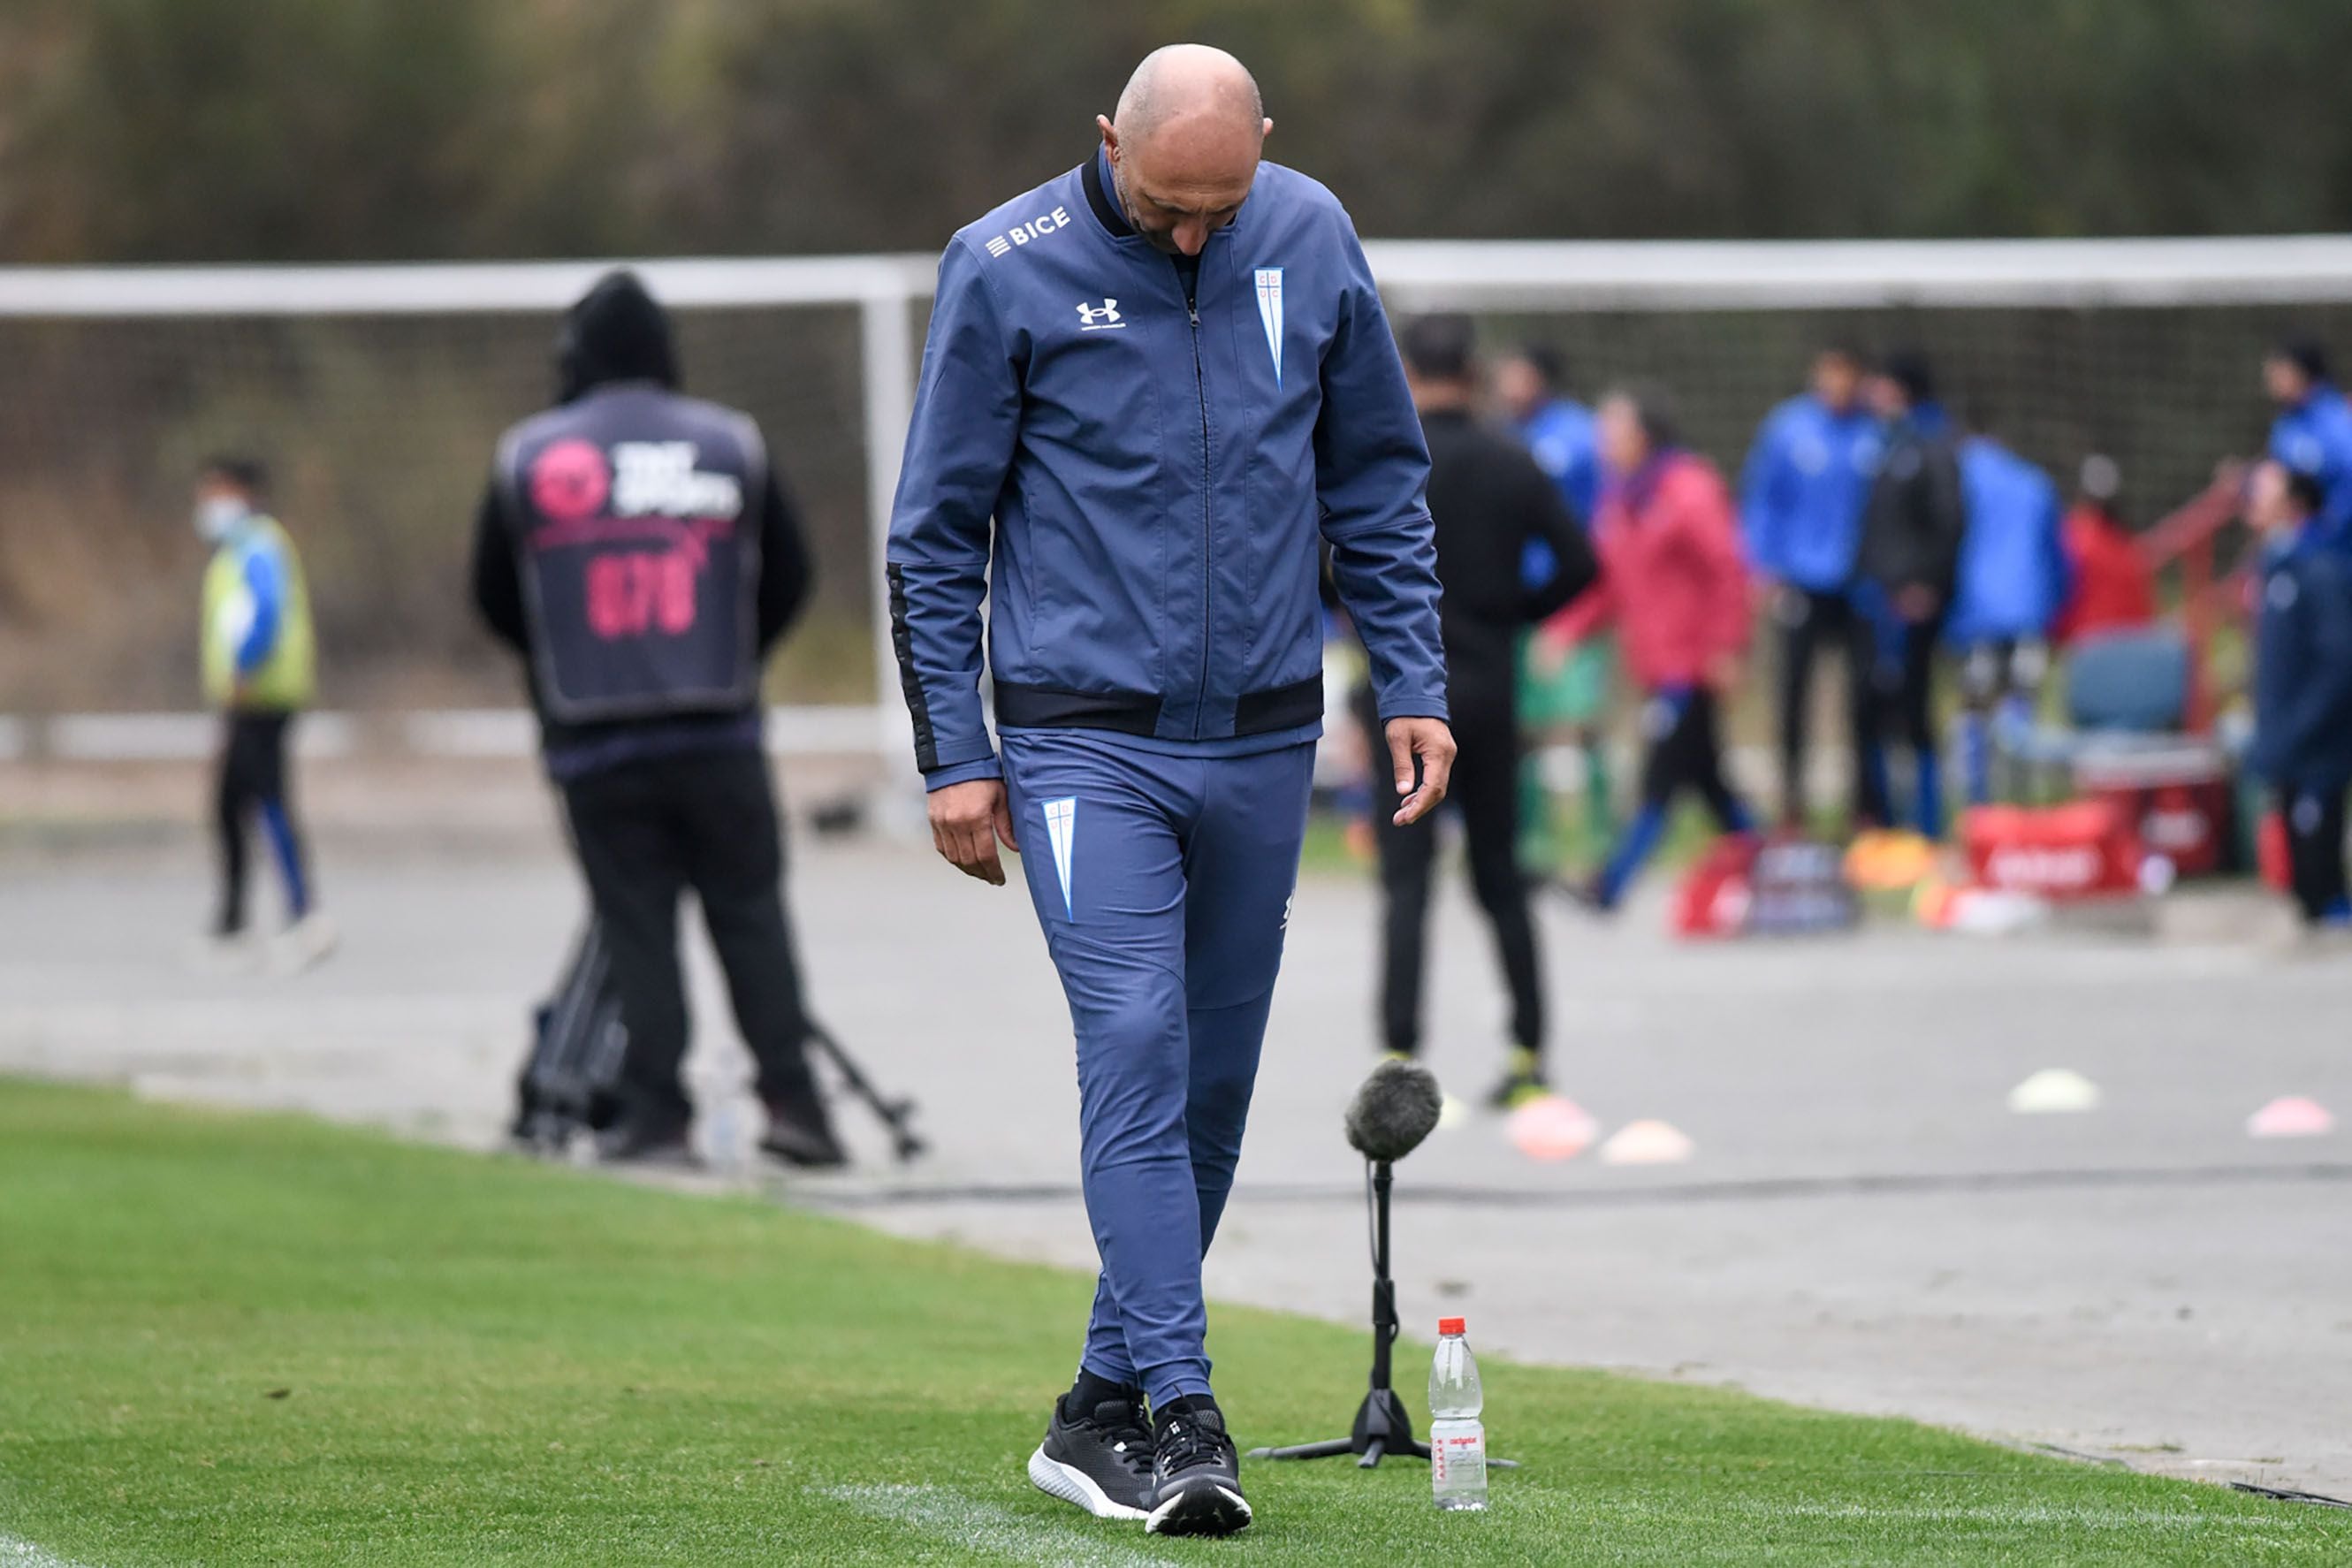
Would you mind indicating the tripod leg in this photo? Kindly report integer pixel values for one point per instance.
(1372, 1452)
(893, 1113)
(1328, 1450)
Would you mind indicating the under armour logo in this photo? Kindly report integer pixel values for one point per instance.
(1099, 317)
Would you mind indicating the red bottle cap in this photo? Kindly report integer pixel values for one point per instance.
(1449, 1326)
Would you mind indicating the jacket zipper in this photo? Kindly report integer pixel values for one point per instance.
(1208, 579)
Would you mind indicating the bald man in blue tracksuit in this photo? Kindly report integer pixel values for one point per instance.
(1167, 378)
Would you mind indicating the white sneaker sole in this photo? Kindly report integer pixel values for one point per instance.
(1200, 1511)
(1057, 1479)
(304, 945)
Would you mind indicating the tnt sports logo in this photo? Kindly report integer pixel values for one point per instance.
(658, 478)
(1034, 229)
(1102, 318)
(570, 481)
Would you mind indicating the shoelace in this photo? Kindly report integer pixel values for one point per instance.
(1130, 1438)
(1186, 1445)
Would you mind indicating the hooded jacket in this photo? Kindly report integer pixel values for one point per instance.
(1492, 504)
(1564, 441)
(1911, 530)
(2315, 438)
(2014, 573)
(2112, 587)
(1671, 573)
(654, 650)
(2302, 662)
(1803, 489)
(1135, 468)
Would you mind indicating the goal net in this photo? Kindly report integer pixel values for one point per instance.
(375, 394)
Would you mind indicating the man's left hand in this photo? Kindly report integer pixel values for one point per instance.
(1431, 740)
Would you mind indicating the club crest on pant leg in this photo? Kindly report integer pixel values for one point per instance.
(1061, 831)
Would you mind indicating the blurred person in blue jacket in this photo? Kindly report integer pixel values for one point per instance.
(1563, 696)
(1802, 493)
(2014, 579)
(2313, 432)
(2303, 682)
(1531, 384)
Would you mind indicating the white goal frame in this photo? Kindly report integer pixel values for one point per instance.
(1415, 275)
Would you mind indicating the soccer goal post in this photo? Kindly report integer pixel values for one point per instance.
(376, 392)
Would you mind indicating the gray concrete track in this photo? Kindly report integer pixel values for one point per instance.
(1863, 1224)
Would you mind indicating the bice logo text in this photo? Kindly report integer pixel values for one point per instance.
(1035, 228)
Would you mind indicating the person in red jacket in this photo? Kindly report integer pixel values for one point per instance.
(1674, 579)
(2113, 588)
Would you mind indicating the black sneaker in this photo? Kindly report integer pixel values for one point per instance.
(1589, 894)
(801, 1133)
(1100, 1461)
(1196, 1476)
(1522, 1081)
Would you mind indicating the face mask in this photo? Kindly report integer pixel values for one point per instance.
(215, 515)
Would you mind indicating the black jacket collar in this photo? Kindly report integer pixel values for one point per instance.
(1099, 196)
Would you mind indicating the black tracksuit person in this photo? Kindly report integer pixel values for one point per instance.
(1487, 499)
(635, 547)
(1910, 557)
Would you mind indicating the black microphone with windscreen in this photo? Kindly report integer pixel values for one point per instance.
(1396, 1108)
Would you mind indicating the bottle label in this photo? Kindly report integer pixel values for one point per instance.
(1458, 1459)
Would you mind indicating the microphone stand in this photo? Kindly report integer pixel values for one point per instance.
(1382, 1427)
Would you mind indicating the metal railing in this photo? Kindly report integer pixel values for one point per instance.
(2188, 537)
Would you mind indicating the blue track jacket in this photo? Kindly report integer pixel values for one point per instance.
(2315, 438)
(2015, 574)
(1802, 492)
(1564, 442)
(1159, 474)
(2302, 662)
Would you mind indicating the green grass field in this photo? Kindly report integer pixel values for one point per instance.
(230, 1339)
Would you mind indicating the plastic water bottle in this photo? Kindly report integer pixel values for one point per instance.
(1457, 1441)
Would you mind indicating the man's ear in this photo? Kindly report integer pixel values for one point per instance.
(1109, 135)
(1265, 128)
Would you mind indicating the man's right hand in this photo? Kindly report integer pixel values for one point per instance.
(967, 819)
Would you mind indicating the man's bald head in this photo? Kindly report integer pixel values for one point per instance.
(1185, 144)
(1186, 82)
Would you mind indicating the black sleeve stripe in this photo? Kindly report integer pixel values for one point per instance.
(902, 640)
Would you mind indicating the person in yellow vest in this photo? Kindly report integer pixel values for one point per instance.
(259, 665)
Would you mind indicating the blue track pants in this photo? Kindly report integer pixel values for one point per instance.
(1163, 884)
